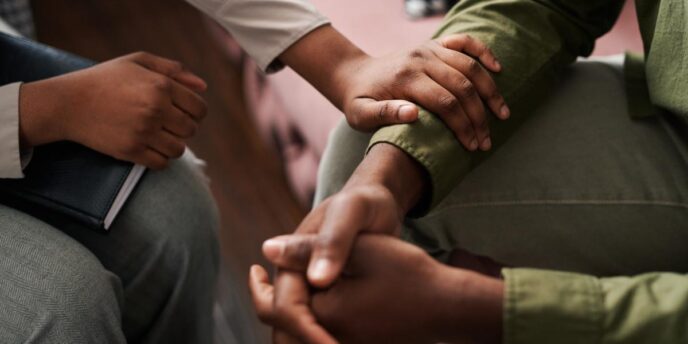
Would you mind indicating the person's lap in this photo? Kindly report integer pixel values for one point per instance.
(151, 279)
(580, 186)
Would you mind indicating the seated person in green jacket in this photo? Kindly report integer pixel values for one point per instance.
(152, 279)
(590, 178)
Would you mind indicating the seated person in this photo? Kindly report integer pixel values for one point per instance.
(589, 179)
(152, 278)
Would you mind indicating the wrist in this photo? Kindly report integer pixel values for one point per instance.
(470, 306)
(326, 59)
(39, 122)
(392, 168)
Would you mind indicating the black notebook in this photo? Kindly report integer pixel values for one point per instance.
(66, 182)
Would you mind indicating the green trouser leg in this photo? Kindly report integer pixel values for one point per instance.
(579, 186)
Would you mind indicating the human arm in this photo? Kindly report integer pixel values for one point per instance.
(425, 301)
(533, 40)
(371, 91)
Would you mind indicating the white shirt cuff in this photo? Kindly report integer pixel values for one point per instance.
(11, 163)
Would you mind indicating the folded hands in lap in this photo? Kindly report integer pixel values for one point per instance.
(389, 292)
(345, 276)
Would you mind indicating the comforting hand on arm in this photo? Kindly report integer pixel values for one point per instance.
(449, 76)
(442, 75)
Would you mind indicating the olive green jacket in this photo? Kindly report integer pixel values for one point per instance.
(534, 40)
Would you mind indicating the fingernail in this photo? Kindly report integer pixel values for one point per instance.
(504, 111)
(498, 65)
(487, 144)
(273, 249)
(407, 113)
(319, 269)
(473, 145)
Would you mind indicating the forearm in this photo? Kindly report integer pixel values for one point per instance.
(323, 58)
(392, 168)
(470, 308)
(532, 40)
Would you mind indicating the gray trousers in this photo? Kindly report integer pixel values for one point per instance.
(580, 186)
(150, 280)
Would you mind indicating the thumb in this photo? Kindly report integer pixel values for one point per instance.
(368, 114)
(291, 252)
(262, 293)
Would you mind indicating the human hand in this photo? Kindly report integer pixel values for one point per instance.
(338, 220)
(138, 108)
(391, 292)
(383, 188)
(448, 76)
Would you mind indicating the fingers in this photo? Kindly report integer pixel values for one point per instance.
(292, 311)
(168, 145)
(170, 68)
(471, 46)
(480, 79)
(472, 105)
(151, 159)
(367, 114)
(286, 306)
(346, 217)
(291, 252)
(179, 122)
(311, 224)
(188, 101)
(262, 293)
(428, 93)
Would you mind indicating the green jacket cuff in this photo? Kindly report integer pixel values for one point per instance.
(552, 307)
(432, 145)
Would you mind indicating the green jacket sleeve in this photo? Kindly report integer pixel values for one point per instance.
(556, 307)
(533, 40)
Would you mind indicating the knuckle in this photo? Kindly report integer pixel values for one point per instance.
(162, 84)
(416, 53)
(178, 150)
(447, 102)
(404, 72)
(139, 55)
(467, 88)
(150, 112)
(354, 121)
(325, 243)
(384, 111)
(472, 66)
(176, 66)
